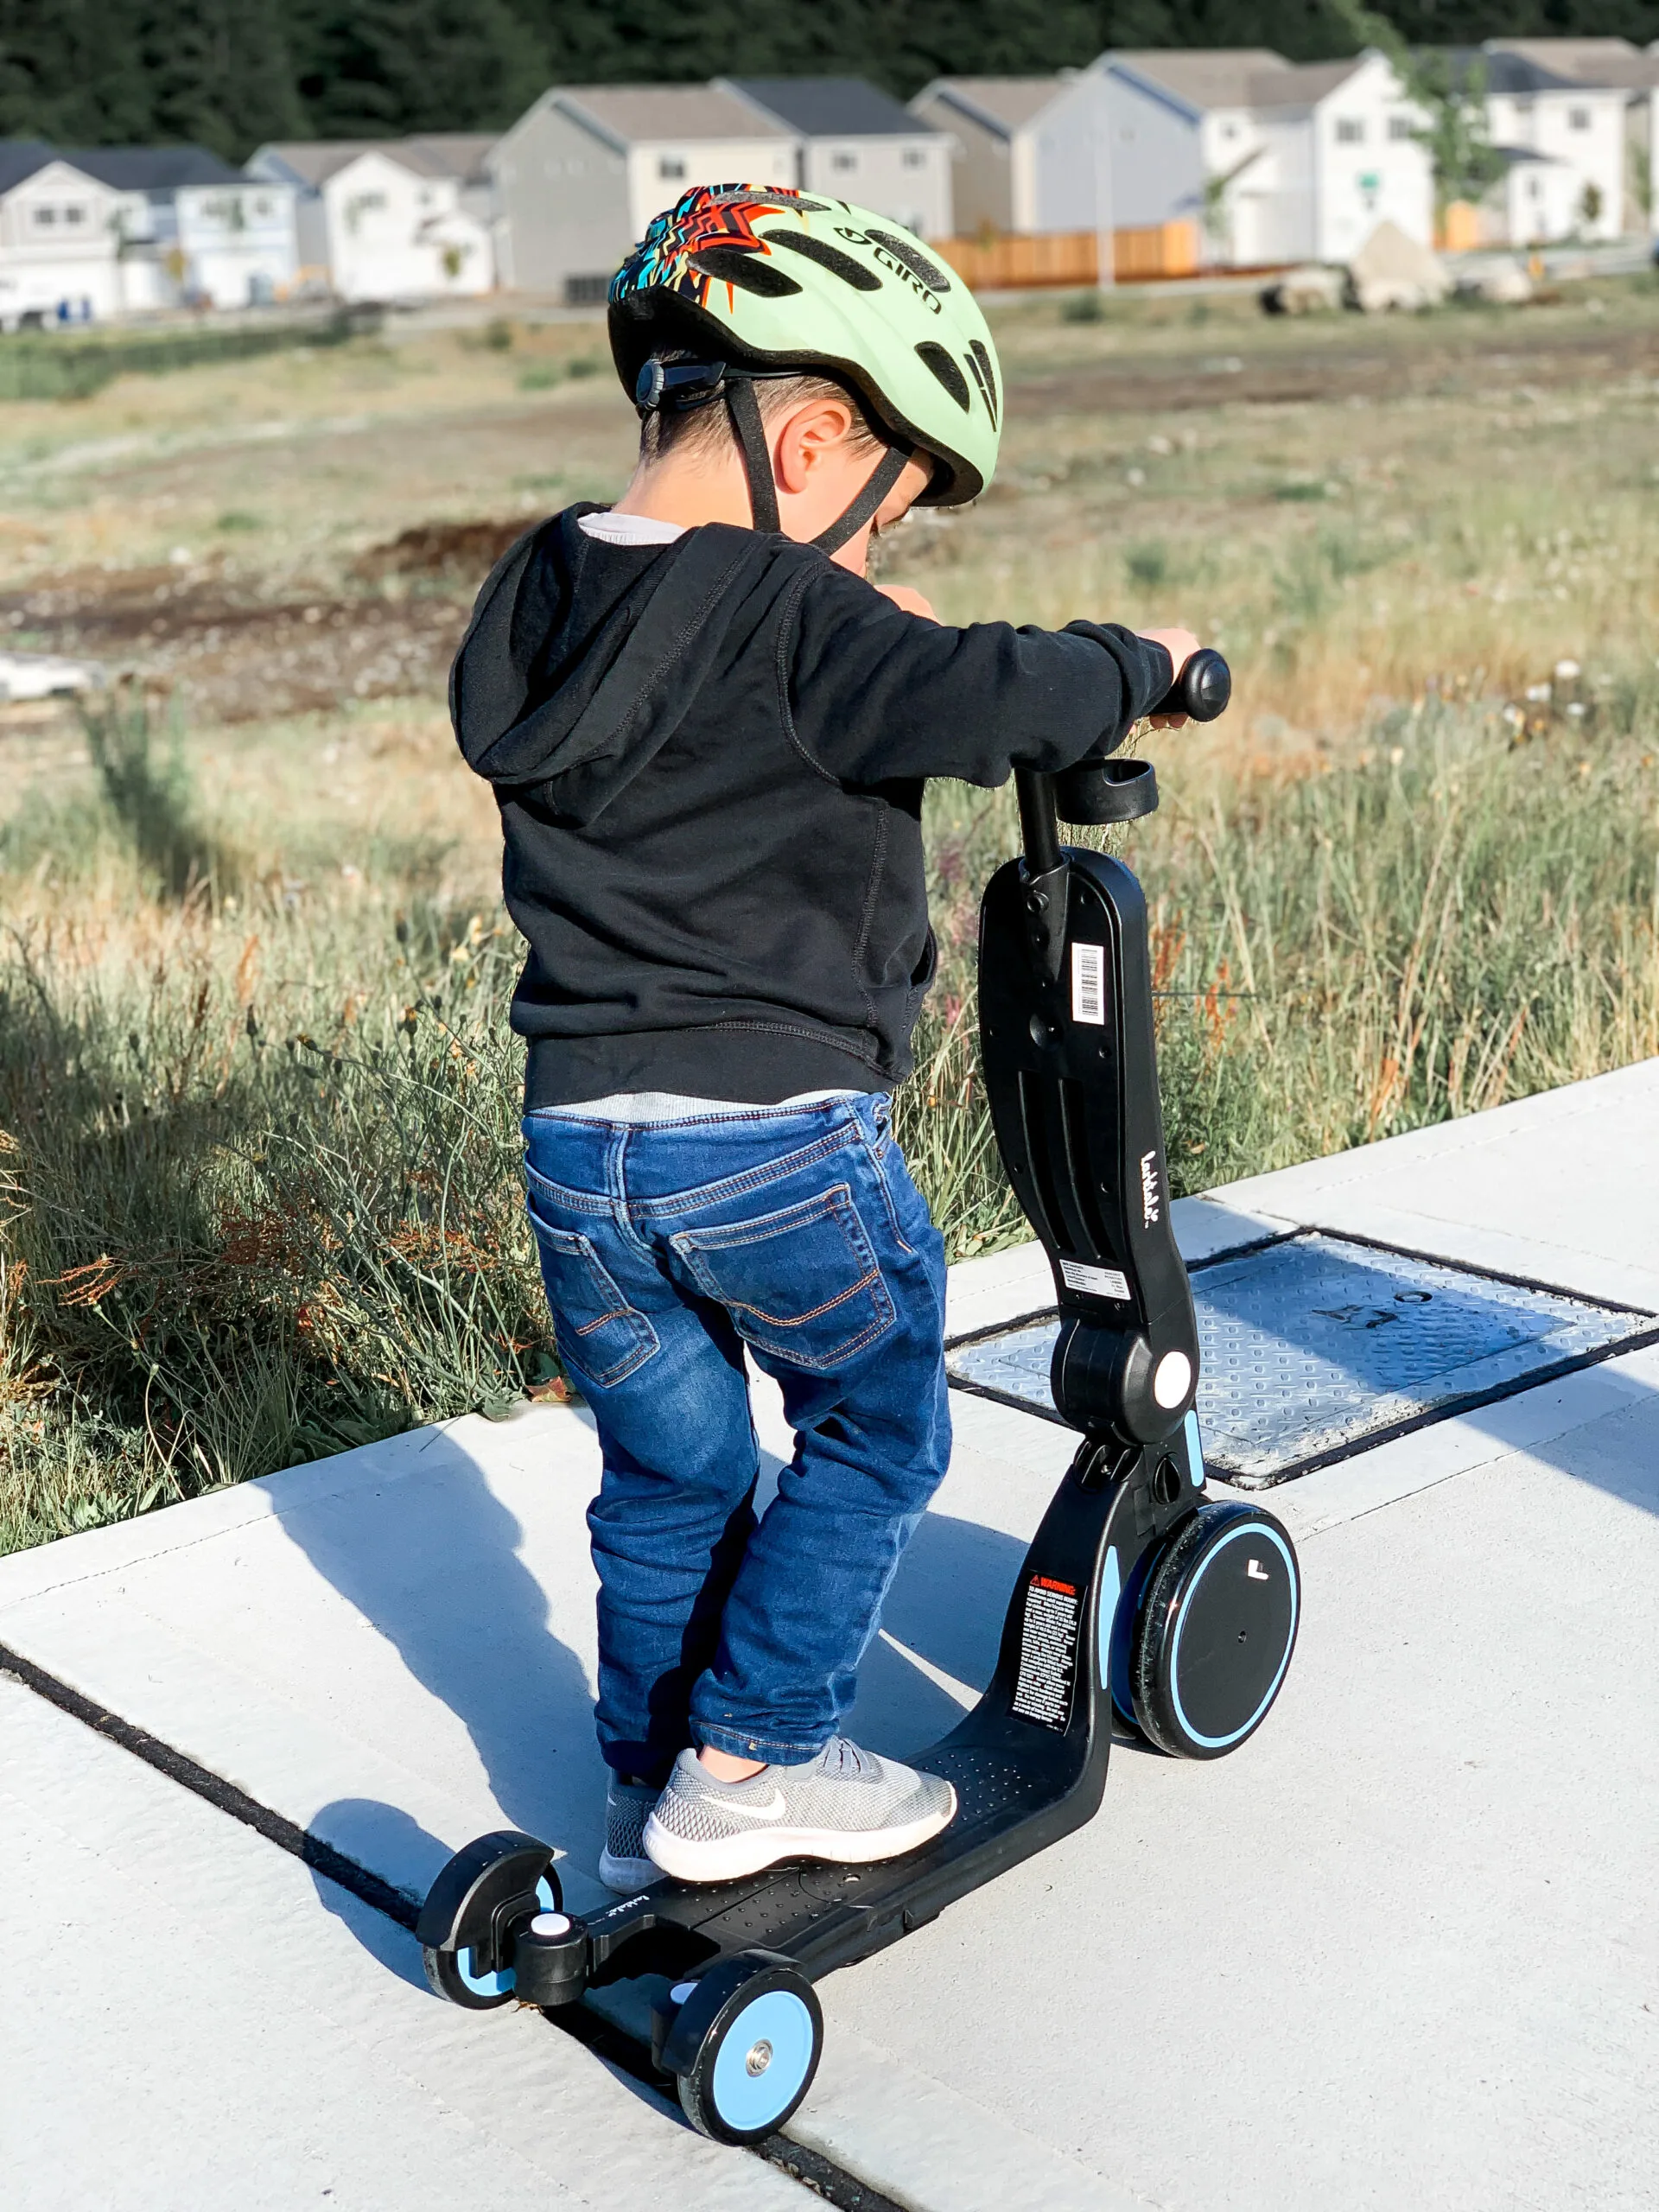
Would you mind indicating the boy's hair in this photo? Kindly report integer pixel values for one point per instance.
(708, 429)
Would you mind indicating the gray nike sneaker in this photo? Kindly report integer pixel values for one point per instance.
(845, 1805)
(623, 1864)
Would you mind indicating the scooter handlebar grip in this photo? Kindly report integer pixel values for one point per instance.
(1202, 689)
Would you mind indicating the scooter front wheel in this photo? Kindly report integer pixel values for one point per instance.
(1215, 1632)
(488, 1890)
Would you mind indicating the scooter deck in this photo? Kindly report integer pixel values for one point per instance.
(822, 1917)
(1029, 1765)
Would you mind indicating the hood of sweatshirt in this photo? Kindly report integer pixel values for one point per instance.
(577, 668)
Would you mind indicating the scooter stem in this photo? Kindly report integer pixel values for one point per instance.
(1042, 869)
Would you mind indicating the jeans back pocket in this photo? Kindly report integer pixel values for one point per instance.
(599, 1333)
(804, 1284)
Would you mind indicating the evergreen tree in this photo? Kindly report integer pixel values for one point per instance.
(218, 73)
(71, 71)
(384, 68)
(230, 72)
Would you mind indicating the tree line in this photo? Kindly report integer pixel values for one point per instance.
(231, 74)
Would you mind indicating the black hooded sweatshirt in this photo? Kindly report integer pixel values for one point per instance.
(709, 758)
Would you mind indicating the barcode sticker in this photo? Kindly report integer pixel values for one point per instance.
(1089, 983)
(1096, 1282)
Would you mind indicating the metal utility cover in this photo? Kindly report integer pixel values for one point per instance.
(1316, 1345)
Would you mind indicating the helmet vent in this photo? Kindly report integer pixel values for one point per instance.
(745, 270)
(945, 368)
(979, 360)
(826, 257)
(907, 251)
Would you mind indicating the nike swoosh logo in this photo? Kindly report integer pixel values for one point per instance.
(758, 1812)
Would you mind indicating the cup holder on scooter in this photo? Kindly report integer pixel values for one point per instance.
(1098, 790)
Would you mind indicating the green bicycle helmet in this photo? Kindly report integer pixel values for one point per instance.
(737, 283)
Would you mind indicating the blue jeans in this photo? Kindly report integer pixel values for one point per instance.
(667, 1248)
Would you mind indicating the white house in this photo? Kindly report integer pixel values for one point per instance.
(1028, 152)
(1591, 103)
(854, 142)
(108, 230)
(195, 229)
(581, 173)
(1280, 162)
(388, 218)
(58, 240)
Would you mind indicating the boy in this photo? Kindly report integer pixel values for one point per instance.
(709, 736)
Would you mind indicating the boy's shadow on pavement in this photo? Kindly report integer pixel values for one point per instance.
(433, 1562)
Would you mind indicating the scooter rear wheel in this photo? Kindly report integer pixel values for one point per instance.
(755, 2034)
(1216, 1626)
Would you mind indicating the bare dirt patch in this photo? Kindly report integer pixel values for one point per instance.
(239, 657)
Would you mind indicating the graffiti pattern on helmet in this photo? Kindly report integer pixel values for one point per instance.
(708, 215)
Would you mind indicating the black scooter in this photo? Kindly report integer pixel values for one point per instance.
(1136, 1595)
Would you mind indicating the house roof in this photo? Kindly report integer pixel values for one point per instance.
(1593, 64)
(314, 161)
(1509, 73)
(1240, 76)
(829, 107)
(636, 114)
(151, 168)
(1219, 76)
(1301, 84)
(458, 153)
(21, 157)
(1004, 104)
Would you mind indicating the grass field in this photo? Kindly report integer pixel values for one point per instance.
(257, 1110)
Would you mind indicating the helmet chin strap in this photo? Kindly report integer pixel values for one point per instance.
(745, 411)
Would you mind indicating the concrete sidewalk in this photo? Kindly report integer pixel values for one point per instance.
(1400, 1951)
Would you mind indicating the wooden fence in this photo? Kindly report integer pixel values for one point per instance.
(1071, 258)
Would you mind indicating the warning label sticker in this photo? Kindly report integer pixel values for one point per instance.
(1089, 983)
(1048, 1652)
(1098, 1282)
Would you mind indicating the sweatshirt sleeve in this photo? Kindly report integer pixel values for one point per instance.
(875, 693)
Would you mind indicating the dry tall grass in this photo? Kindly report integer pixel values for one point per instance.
(259, 1153)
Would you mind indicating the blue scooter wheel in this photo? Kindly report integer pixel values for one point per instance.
(748, 2039)
(1215, 1632)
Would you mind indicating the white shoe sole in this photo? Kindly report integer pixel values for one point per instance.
(625, 1875)
(732, 1857)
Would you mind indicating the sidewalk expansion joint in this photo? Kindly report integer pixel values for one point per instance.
(817, 2175)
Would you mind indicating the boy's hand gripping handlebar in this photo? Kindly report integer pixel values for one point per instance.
(1202, 689)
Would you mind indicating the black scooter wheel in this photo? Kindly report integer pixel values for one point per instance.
(745, 2046)
(498, 1883)
(1217, 1627)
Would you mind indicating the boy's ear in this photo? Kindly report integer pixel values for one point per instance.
(808, 434)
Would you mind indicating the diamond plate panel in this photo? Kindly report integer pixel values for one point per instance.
(1312, 1346)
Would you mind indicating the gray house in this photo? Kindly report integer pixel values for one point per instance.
(1029, 152)
(580, 175)
(855, 143)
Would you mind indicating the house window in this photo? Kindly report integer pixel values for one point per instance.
(72, 215)
(914, 157)
(262, 208)
(45, 218)
(1401, 126)
(1577, 119)
(670, 168)
(1350, 130)
(841, 159)
(370, 203)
